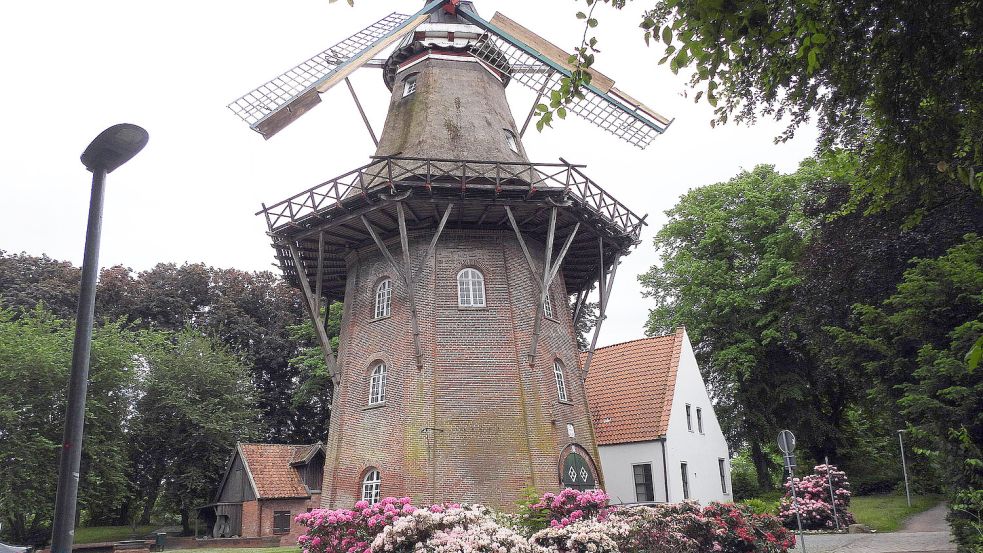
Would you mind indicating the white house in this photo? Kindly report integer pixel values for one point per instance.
(656, 431)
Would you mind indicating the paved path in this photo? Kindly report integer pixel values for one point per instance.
(926, 532)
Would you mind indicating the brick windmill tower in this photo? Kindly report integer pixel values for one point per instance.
(458, 377)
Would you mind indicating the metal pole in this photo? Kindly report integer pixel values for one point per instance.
(904, 468)
(795, 501)
(63, 531)
(832, 495)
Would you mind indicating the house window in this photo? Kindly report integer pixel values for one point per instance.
(682, 468)
(377, 384)
(689, 418)
(370, 487)
(409, 85)
(548, 307)
(383, 299)
(644, 490)
(561, 387)
(511, 141)
(699, 419)
(723, 475)
(470, 288)
(281, 522)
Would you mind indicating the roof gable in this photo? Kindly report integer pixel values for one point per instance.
(630, 388)
(270, 469)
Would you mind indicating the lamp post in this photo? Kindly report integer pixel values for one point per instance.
(112, 148)
(904, 468)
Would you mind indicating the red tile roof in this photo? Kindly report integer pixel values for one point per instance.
(630, 388)
(269, 467)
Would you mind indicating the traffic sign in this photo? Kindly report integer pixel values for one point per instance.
(786, 441)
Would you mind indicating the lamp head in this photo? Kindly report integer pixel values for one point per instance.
(114, 147)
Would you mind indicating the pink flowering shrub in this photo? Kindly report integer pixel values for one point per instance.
(571, 505)
(579, 522)
(352, 530)
(813, 494)
(677, 528)
(469, 528)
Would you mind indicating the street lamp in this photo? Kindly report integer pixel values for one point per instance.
(112, 148)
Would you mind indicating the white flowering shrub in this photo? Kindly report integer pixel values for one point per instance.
(468, 528)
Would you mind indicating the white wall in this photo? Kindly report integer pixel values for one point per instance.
(616, 464)
(700, 451)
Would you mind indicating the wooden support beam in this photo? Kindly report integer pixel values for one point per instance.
(410, 284)
(320, 272)
(382, 248)
(362, 112)
(563, 253)
(522, 243)
(581, 296)
(310, 305)
(433, 242)
(602, 311)
(544, 287)
(539, 96)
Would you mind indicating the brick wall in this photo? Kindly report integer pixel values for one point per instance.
(295, 506)
(476, 423)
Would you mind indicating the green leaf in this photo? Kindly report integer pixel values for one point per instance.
(667, 35)
(819, 38)
(580, 15)
(592, 22)
(562, 112)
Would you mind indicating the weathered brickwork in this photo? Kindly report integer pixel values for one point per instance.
(476, 423)
(257, 516)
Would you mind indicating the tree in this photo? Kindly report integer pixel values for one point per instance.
(728, 256)
(896, 83)
(913, 348)
(315, 393)
(196, 402)
(26, 280)
(35, 356)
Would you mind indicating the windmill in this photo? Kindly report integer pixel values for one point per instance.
(458, 377)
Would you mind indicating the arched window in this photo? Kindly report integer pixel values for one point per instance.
(470, 288)
(409, 85)
(383, 299)
(561, 387)
(377, 384)
(370, 487)
(548, 307)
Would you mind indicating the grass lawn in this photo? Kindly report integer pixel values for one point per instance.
(886, 513)
(98, 534)
(286, 549)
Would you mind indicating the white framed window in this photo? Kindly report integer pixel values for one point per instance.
(377, 384)
(699, 419)
(721, 464)
(685, 474)
(383, 299)
(470, 288)
(370, 487)
(548, 307)
(511, 140)
(644, 484)
(561, 387)
(409, 85)
(689, 418)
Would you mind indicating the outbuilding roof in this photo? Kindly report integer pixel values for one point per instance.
(271, 468)
(630, 388)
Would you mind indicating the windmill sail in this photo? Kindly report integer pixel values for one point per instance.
(537, 63)
(277, 103)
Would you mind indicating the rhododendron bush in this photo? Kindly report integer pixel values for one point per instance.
(578, 522)
(814, 503)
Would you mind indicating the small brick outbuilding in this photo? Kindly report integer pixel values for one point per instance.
(264, 487)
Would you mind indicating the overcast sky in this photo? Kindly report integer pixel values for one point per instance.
(71, 69)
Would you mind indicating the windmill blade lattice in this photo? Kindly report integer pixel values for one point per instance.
(267, 99)
(607, 108)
